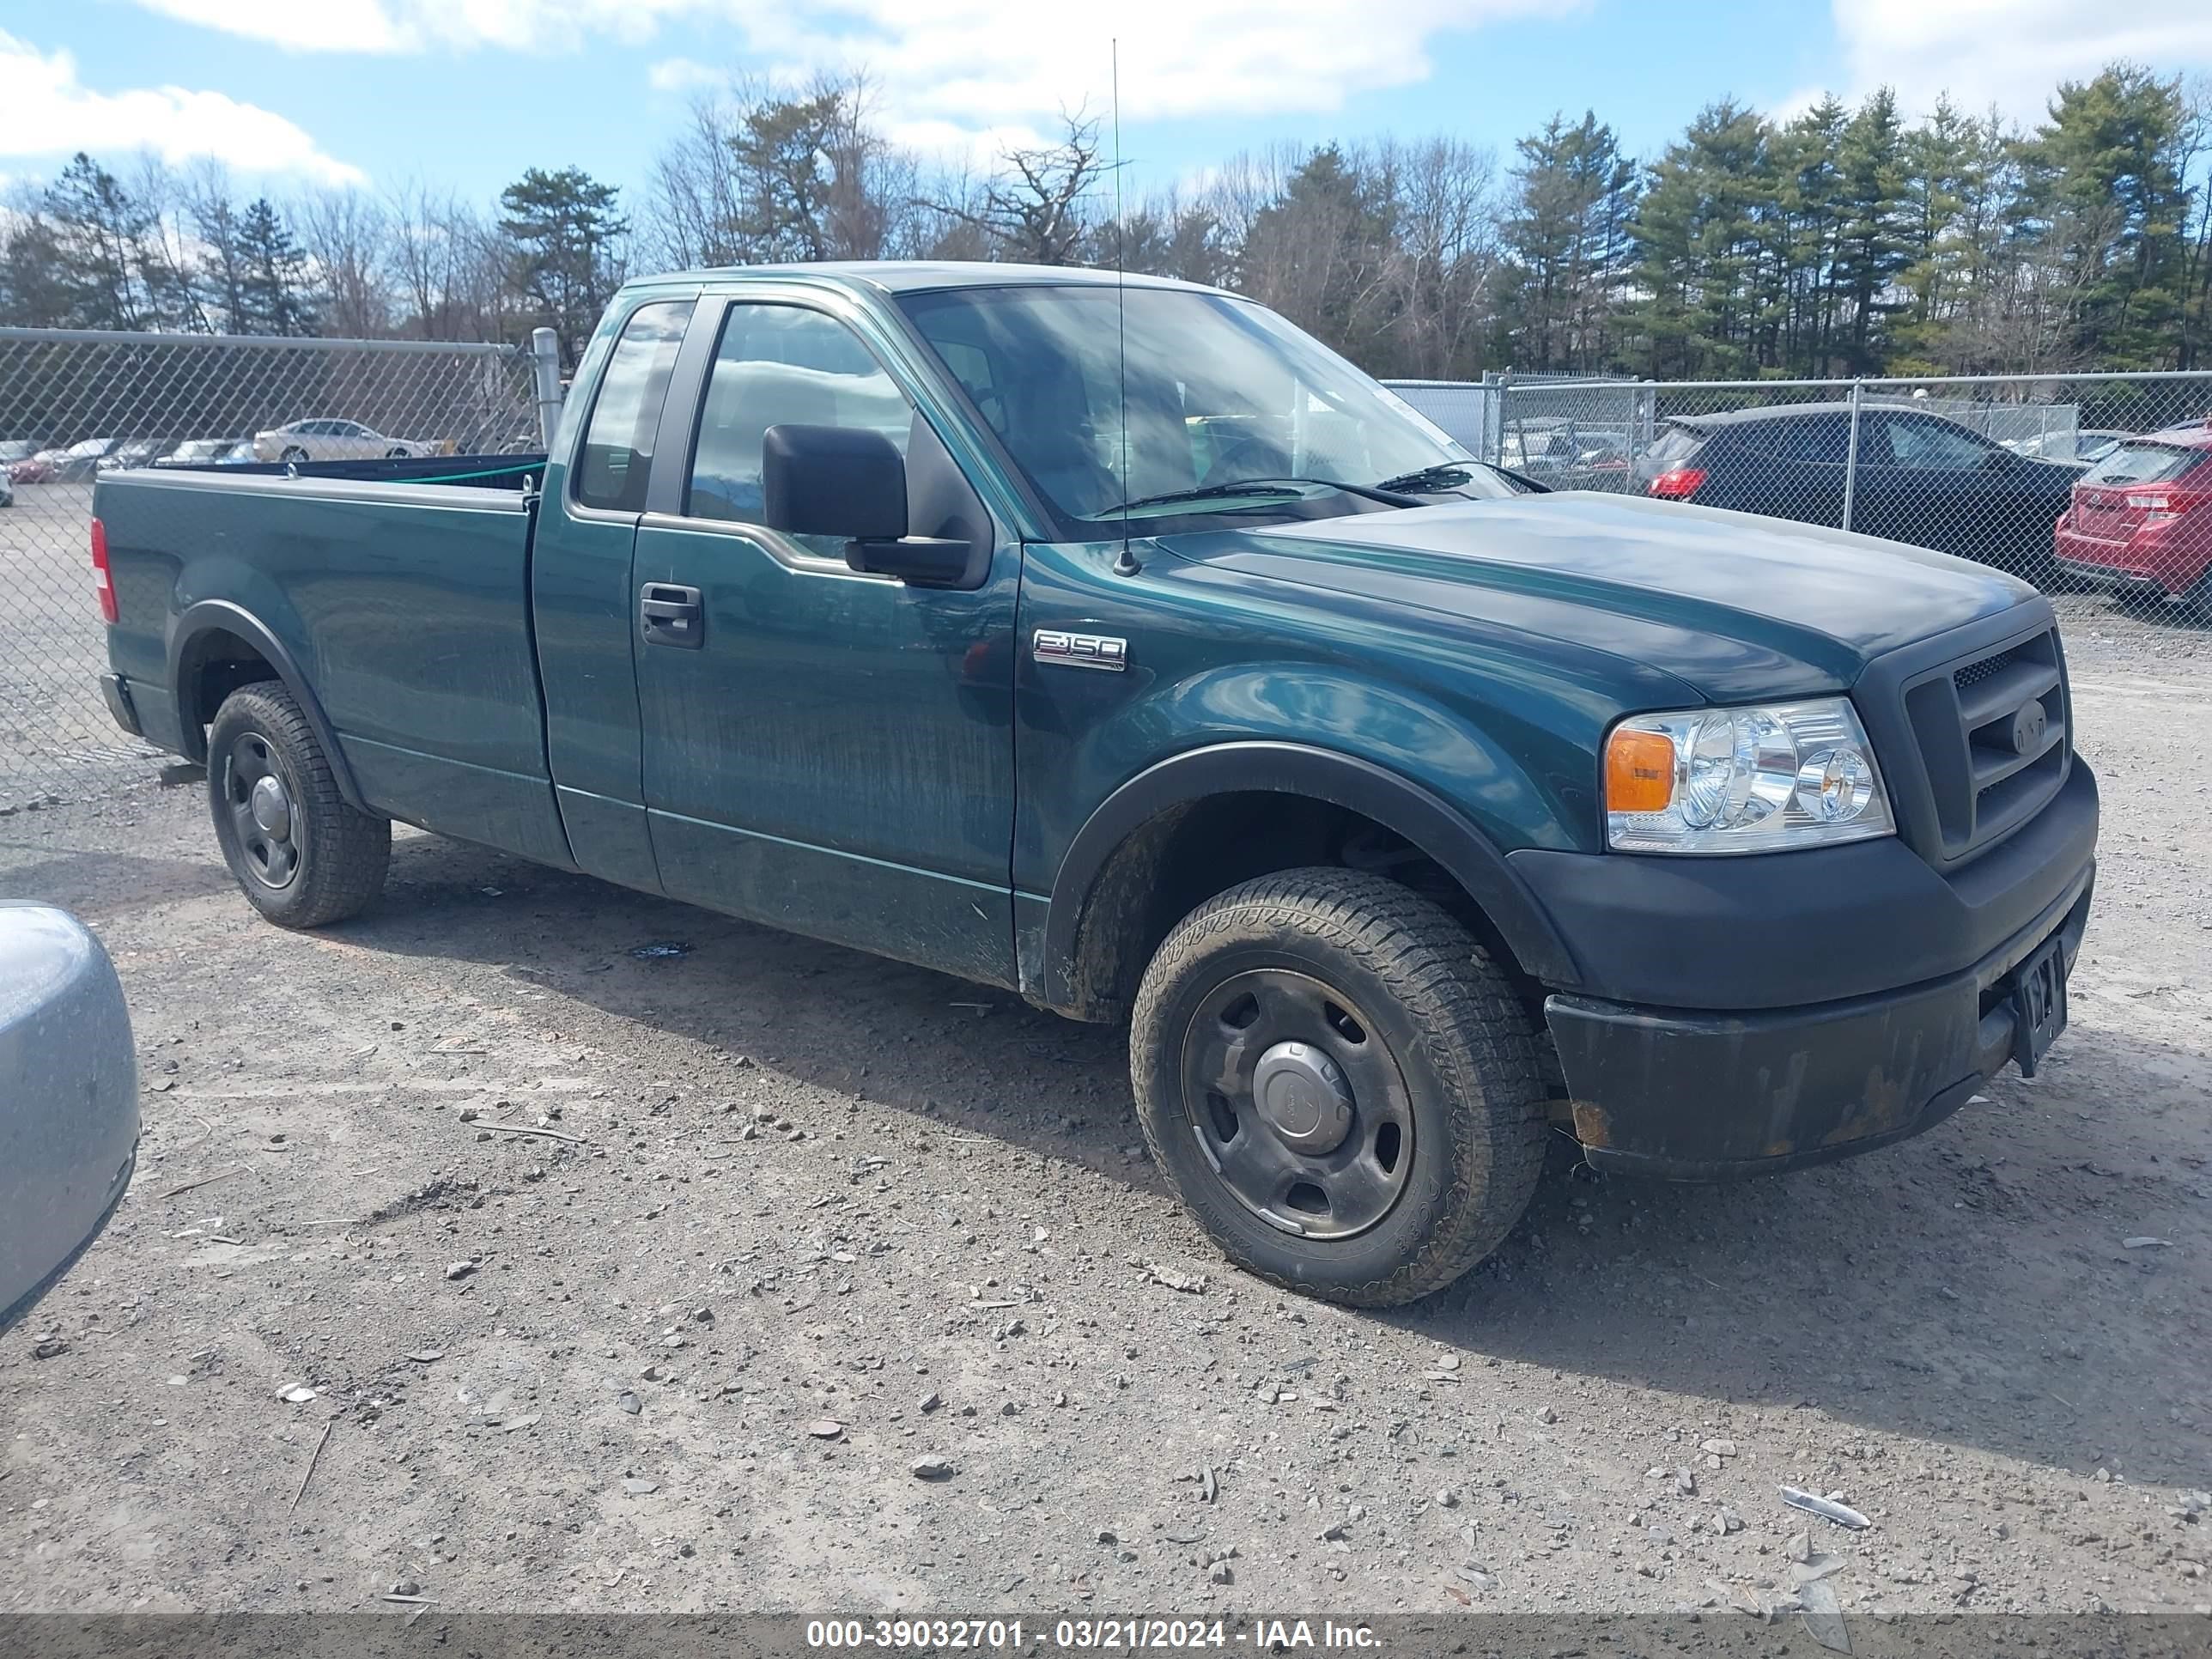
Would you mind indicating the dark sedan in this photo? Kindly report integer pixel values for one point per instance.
(1920, 478)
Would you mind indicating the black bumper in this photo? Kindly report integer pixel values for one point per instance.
(1682, 1090)
(117, 692)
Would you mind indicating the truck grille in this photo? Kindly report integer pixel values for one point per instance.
(1992, 735)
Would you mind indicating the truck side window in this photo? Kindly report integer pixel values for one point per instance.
(781, 365)
(617, 454)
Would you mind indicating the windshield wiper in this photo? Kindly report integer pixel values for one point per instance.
(1444, 475)
(1260, 487)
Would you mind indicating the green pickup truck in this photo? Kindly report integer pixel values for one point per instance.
(1118, 644)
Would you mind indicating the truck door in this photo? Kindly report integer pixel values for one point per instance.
(825, 751)
(582, 605)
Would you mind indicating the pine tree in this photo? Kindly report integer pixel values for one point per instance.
(2104, 196)
(273, 296)
(1872, 249)
(100, 232)
(566, 230)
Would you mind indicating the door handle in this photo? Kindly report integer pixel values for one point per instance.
(670, 615)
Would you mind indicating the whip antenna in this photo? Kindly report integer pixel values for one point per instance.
(1127, 564)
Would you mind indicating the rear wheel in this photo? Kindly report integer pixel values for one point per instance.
(302, 855)
(293, 453)
(1342, 1086)
(2196, 603)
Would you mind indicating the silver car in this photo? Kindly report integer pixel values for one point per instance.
(331, 440)
(68, 1099)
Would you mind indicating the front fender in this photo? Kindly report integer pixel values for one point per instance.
(1435, 826)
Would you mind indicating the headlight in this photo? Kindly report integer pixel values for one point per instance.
(1758, 780)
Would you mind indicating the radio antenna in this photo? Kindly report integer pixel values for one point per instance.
(1127, 564)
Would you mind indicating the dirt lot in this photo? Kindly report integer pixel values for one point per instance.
(797, 1187)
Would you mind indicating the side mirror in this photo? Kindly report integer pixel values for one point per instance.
(850, 482)
(833, 481)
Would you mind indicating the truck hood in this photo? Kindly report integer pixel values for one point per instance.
(1737, 606)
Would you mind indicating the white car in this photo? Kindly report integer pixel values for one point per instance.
(331, 440)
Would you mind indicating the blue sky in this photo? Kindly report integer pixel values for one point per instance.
(464, 94)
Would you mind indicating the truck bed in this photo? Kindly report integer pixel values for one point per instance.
(401, 588)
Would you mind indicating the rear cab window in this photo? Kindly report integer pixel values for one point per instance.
(615, 457)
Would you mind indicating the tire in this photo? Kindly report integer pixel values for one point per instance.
(2196, 603)
(323, 861)
(292, 452)
(1374, 1014)
(398, 452)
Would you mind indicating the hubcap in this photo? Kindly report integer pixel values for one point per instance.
(1298, 1104)
(271, 806)
(259, 804)
(1302, 1096)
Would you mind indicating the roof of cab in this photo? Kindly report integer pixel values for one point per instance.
(918, 276)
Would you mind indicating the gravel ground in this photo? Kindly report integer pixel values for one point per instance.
(639, 1279)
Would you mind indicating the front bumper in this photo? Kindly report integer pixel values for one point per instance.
(1688, 1087)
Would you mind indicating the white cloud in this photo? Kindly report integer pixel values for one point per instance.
(684, 75)
(44, 110)
(941, 64)
(2011, 54)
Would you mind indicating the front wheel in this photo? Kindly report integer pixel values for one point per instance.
(302, 855)
(1341, 1085)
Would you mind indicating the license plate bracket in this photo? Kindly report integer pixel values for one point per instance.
(2038, 1004)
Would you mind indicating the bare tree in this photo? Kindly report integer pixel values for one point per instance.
(760, 175)
(348, 235)
(1037, 209)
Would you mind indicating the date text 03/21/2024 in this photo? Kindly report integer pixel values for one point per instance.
(1104, 1635)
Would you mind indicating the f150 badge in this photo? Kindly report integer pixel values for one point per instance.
(1080, 650)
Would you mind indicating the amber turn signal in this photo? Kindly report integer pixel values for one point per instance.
(1639, 771)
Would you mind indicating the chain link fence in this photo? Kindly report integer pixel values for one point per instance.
(74, 404)
(2074, 482)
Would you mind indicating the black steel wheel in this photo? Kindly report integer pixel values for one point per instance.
(1303, 1115)
(260, 801)
(1344, 1089)
(302, 854)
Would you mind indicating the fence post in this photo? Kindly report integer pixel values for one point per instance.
(1851, 455)
(545, 358)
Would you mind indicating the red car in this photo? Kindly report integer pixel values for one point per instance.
(2140, 520)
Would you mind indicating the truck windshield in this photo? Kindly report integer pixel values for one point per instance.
(1221, 393)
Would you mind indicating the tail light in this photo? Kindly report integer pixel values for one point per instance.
(102, 583)
(2156, 504)
(1677, 483)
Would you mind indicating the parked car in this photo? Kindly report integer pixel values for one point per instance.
(1921, 478)
(241, 453)
(1558, 452)
(2085, 444)
(2140, 521)
(1122, 645)
(7, 489)
(204, 451)
(331, 440)
(15, 450)
(75, 465)
(134, 452)
(68, 1099)
(37, 468)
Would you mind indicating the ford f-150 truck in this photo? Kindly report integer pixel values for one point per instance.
(1118, 644)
